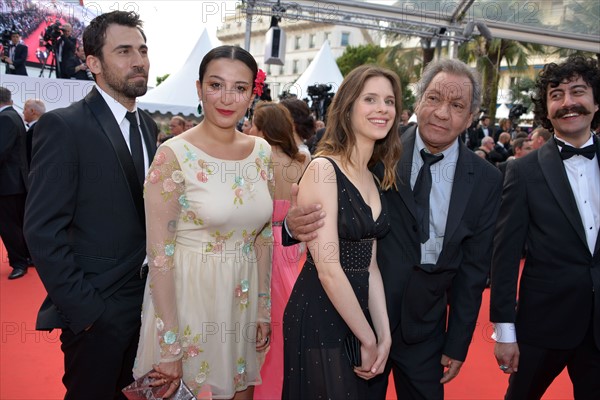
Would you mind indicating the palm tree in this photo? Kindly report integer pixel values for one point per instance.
(407, 64)
(488, 55)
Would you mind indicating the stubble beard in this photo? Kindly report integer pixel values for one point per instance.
(122, 87)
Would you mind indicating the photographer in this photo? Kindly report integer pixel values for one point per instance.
(76, 68)
(65, 51)
(16, 56)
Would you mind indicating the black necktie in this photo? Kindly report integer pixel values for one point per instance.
(569, 151)
(135, 142)
(421, 192)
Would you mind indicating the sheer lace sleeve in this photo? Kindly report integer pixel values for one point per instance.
(163, 189)
(264, 254)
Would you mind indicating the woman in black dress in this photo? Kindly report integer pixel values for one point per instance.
(339, 296)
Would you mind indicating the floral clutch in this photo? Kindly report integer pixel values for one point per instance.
(141, 390)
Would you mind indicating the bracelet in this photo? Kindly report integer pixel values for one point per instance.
(264, 295)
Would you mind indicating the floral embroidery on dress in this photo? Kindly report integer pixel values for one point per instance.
(190, 343)
(190, 155)
(239, 379)
(169, 346)
(220, 239)
(190, 216)
(200, 378)
(241, 293)
(248, 242)
(161, 256)
(238, 190)
(205, 171)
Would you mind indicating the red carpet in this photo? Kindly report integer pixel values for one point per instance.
(31, 361)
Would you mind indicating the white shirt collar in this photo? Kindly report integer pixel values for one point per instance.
(117, 109)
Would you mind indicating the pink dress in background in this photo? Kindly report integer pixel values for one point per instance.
(283, 276)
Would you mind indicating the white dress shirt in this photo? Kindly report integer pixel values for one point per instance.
(442, 178)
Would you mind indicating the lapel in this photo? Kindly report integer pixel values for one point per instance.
(554, 172)
(597, 143)
(110, 128)
(404, 168)
(462, 187)
(148, 140)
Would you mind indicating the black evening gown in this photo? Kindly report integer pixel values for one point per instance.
(315, 362)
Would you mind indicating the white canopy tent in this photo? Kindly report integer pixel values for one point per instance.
(502, 111)
(322, 70)
(177, 94)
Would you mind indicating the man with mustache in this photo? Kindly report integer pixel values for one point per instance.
(84, 217)
(551, 203)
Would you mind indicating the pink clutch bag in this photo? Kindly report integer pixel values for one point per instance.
(141, 390)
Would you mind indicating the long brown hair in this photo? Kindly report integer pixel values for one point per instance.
(339, 138)
(276, 124)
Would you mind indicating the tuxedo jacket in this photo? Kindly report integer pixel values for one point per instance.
(84, 216)
(422, 298)
(559, 292)
(13, 163)
(18, 61)
(29, 141)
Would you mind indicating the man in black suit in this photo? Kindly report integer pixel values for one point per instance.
(17, 55)
(85, 214)
(76, 68)
(484, 129)
(551, 203)
(433, 280)
(13, 185)
(65, 51)
(522, 147)
(32, 111)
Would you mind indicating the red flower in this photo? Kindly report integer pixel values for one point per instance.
(259, 82)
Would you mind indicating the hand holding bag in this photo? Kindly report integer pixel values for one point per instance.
(141, 390)
(352, 347)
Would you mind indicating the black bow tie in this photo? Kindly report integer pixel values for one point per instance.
(569, 151)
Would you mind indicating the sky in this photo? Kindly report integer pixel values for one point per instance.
(172, 27)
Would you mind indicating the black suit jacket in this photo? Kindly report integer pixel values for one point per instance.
(68, 55)
(84, 217)
(13, 159)
(560, 282)
(418, 295)
(29, 141)
(18, 61)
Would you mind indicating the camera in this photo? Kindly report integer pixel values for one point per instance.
(51, 34)
(516, 111)
(320, 90)
(321, 99)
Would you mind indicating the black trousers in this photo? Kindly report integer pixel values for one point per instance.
(417, 370)
(12, 212)
(99, 361)
(538, 367)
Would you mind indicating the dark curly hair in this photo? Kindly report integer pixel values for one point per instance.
(554, 74)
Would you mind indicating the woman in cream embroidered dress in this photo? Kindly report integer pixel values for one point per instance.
(206, 312)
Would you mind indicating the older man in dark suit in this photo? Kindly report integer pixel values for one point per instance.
(436, 258)
(13, 185)
(85, 216)
(551, 203)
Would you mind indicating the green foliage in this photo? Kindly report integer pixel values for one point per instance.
(520, 93)
(402, 61)
(161, 79)
(355, 56)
